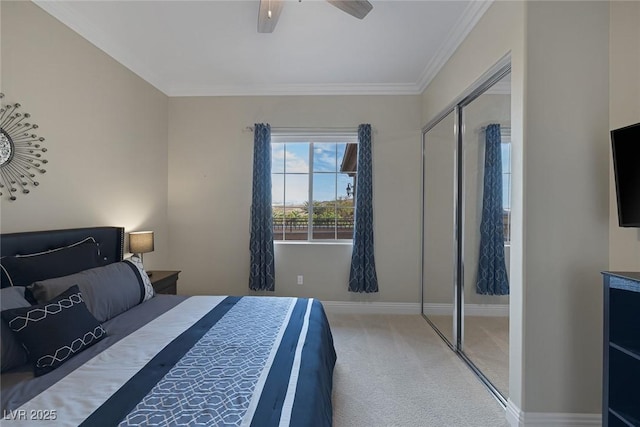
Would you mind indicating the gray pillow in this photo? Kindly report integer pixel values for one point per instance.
(11, 351)
(107, 291)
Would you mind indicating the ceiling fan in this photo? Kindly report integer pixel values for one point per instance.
(270, 11)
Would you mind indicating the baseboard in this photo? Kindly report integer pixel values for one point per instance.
(517, 418)
(490, 310)
(377, 307)
(513, 414)
(360, 307)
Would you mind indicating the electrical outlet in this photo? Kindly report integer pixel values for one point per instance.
(300, 279)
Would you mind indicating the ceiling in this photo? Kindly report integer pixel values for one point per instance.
(210, 48)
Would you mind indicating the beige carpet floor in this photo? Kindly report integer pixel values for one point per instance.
(395, 371)
(486, 343)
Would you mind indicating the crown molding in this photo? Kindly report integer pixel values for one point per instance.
(454, 39)
(295, 89)
(65, 14)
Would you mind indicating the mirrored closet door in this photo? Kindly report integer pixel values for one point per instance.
(439, 207)
(466, 228)
(487, 213)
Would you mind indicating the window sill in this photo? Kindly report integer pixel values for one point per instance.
(313, 242)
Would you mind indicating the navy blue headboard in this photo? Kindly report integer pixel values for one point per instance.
(111, 240)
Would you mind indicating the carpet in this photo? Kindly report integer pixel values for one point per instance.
(395, 371)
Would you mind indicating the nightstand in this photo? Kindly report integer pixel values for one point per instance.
(164, 282)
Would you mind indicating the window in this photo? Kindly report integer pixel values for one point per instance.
(506, 183)
(313, 180)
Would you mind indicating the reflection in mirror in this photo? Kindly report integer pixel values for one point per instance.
(487, 214)
(439, 260)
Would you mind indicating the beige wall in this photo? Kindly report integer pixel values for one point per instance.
(624, 110)
(210, 167)
(566, 203)
(105, 128)
(559, 110)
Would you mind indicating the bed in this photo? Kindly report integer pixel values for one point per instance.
(133, 358)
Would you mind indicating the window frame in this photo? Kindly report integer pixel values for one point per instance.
(310, 137)
(505, 139)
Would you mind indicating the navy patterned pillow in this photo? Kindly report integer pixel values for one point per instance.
(56, 330)
(12, 354)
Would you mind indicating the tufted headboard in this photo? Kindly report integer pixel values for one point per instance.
(111, 240)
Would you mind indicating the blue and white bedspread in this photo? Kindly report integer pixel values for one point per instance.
(209, 361)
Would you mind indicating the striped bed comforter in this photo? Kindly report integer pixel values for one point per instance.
(209, 361)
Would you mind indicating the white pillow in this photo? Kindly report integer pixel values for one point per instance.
(148, 287)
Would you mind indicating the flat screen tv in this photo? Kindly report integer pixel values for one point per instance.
(626, 166)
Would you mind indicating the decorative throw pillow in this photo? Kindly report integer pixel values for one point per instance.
(23, 270)
(148, 287)
(55, 331)
(12, 353)
(107, 291)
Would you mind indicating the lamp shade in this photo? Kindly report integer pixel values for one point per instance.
(141, 242)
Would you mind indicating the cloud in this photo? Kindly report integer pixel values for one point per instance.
(293, 155)
(297, 189)
(297, 186)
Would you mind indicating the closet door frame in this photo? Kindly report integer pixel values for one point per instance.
(487, 80)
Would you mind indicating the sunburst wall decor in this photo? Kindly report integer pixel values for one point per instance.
(20, 152)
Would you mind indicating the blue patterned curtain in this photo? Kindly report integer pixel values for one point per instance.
(492, 271)
(261, 276)
(362, 277)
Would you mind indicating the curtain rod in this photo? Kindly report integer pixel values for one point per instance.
(501, 127)
(310, 129)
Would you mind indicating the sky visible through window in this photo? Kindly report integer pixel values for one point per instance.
(506, 174)
(293, 159)
(506, 187)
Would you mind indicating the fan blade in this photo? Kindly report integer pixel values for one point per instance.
(357, 8)
(267, 24)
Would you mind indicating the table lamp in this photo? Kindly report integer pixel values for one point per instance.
(141, 242)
